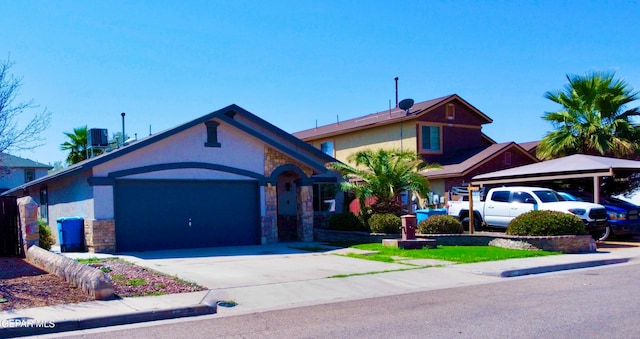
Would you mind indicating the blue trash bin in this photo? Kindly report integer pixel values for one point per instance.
(71, 234)
(424, 214)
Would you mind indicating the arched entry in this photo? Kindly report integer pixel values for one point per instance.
(287, 193)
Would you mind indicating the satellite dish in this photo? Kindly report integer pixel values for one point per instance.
(406, 104)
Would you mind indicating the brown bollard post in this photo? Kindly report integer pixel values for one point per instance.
(408, 227)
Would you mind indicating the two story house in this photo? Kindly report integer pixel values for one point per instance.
(15, 171)
(446, 131)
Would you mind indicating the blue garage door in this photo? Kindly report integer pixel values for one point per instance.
(169, 214)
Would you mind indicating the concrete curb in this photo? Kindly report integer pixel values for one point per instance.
(550, 268)
(208, 305)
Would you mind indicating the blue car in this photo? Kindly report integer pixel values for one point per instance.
(622, 216)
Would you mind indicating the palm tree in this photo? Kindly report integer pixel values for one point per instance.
(77, 145)
(593, 119)
(383, 174)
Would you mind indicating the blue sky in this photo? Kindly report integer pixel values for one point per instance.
(297, 62)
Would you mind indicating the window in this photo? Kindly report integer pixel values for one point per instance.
(450, 111)
(29, 174)
(324, 197)
(44, 204)
(523, 198)
(327, 147)
(500, 196)
(430, 138)
(212, 134)
(547, 196)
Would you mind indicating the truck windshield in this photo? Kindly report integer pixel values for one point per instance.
(547, 196)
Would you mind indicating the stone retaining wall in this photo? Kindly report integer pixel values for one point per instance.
(91, 280)
(342, 236)
(562, 243)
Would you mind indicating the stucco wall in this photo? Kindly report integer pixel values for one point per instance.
(238, 150)
(103, 202)
(16, 177)
(396, 136)
(68, 197)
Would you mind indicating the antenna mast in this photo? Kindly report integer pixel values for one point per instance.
(396, 78)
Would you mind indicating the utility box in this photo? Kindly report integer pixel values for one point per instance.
(71, 234)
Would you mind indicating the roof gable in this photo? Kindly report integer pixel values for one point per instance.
(252, 125)
(530, 146)
(385, 117)
(12, 161)
(464, 164)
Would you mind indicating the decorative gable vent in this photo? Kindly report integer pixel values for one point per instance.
(450, 111)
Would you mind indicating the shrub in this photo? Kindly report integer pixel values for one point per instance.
(546, 223)
(385, 223)
(440, 224)
(346, 221)
(45, 240)
(386, 207)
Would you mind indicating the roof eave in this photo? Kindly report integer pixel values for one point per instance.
(551, 176)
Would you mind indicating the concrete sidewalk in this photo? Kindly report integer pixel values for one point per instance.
(261, 278)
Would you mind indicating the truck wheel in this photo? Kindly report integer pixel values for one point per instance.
(602, 234)
(476, 224)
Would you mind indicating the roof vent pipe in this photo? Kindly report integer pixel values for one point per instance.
(123, 137)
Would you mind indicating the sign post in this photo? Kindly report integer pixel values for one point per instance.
(470, 190)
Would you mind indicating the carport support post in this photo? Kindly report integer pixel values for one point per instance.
(596, 189)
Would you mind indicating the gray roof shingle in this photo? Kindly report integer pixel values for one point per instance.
(8, 160)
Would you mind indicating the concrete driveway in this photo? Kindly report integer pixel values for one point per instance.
(242, 266)
(284, 275)
(227, 267)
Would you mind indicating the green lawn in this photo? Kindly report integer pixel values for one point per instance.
(459, 254)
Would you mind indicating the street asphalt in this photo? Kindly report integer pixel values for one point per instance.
(250, 279)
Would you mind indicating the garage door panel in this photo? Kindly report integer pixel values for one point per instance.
(165, 214)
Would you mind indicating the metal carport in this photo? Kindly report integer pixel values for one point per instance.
(569, 167)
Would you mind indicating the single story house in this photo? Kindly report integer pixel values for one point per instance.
(226, 178)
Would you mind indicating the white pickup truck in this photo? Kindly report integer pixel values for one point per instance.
(502, 204)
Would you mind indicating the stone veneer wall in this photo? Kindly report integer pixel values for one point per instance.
(273, 160)
(321, 219)
(305, 213)
(270, 218)
(100, 235)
